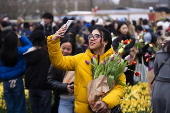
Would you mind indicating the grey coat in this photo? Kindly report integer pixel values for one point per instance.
(161, 90)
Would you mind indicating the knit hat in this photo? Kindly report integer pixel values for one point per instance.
(37, 36)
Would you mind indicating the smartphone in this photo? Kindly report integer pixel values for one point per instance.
(67, 25)
(71, 83)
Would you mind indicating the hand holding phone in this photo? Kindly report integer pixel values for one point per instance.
(70, 88)
(62, 30)
(66, 26)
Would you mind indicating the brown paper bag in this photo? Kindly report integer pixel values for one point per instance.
(97, 89)
(150, 76)
(69, 77)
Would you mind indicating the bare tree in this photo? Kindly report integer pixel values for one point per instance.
(126, 3)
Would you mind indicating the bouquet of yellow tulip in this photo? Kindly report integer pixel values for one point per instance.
(136, 99)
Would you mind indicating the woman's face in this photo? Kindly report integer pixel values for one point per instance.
(66, 48)
(115, 26)
(95, 40)
(124, 29)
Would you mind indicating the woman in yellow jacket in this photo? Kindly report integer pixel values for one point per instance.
(99, 45)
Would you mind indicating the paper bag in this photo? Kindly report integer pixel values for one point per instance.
(150, 76)
(69, 77)
(97, 89)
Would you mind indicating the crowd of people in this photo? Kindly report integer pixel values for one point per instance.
(54, 64)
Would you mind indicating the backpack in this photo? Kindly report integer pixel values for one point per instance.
(154, 37)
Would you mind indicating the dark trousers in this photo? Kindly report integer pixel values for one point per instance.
(130, 75)
(40, 100)
(15, 97)
(55, 105)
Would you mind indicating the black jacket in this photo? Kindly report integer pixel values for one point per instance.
(48, 30)
(143, 51)
(55, 79)
(37, 65)
(116, 42)
(129, 74)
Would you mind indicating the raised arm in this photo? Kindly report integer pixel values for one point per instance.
(59, 61)
(26, 44)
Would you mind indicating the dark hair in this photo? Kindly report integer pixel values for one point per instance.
(8, 52)
(37, 38)
(145, 22)
(26, 25)
(120, 24)
(167, 44)
(134, 22)
(48, 15)
(65, 19)
(119, 34)
(139, 28)
(68, 38)
(72, 32)
(106, 36)
(4, 24)
(92, 22)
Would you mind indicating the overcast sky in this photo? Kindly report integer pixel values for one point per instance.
(116, 1)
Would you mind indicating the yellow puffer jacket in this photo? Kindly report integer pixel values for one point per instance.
(83, 75)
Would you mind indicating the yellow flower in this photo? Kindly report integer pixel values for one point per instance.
(151, 45)
(136, 99)
(141, 40)
(120, 50)
(137, 38)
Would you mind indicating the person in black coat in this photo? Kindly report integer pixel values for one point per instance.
(123, 34)
(5, 29)
(55, 79)
(37, 66)
(47, 25)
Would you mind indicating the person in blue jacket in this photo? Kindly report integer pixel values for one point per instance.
(12, 67)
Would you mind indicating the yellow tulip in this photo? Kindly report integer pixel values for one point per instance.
(120, 50)
(151, 45)
(141, 40)
(137, 38)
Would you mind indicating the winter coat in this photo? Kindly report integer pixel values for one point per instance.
(55, 78)
(26, 32)
(7, 73)
(83, 75)
(116, 42)
(160, 92)
(129, 74)
(37, 65)
(48, 30)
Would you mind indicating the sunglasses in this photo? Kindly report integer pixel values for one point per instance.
(95, 36)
